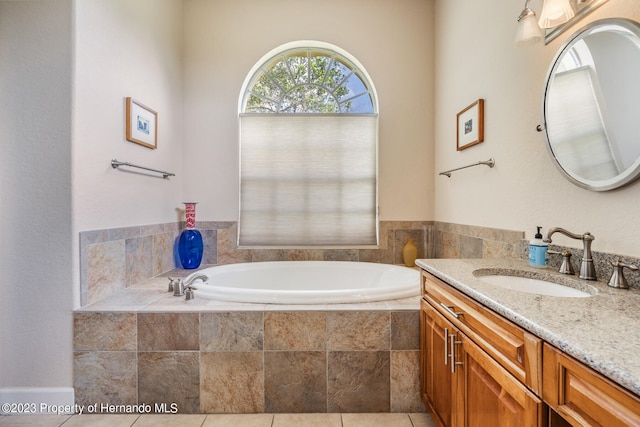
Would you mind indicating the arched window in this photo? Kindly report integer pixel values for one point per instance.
(308, 150)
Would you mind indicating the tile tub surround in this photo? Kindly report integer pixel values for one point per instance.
(145, 346)
(112, 260)
(600, 331)
(469, 241)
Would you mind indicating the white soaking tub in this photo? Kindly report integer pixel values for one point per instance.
(307, 282)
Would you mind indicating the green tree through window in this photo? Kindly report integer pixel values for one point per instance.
(308, 81)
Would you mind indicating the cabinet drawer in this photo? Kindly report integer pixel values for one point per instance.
(584, 397)
(518, 351)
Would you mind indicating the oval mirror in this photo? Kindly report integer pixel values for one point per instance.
(591, 105)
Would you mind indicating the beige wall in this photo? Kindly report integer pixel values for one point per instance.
(126, 48)
(476, 58)
(392, 40)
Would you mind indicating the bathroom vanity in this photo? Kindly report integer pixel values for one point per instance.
(504, 357)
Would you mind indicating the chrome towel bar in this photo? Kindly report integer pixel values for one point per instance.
(116, 164)
(491, 163)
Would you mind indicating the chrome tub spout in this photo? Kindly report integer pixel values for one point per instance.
(192, 279)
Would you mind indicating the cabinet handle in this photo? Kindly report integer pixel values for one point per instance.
(452, 337)
(446, 343)
(449, 309)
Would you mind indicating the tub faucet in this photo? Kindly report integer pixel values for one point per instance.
(180, 287)
(587, 267)
(192, 279)
(189, 288)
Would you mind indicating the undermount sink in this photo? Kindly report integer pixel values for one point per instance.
(526, 281)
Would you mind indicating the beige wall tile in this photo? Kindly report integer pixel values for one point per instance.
(210, 249)
(138, 259)
(266, 255)
(384, 256)
(358, 330)
(470, 247)
(227, 252)
(106, 271)
(405, 381)
(465, 241)
(162, 253)
(493, 249)
(385, 234)
(358, 381)
(104, 331)
(105, 377)
(295, 381)
(168, 331)
(298, 330)
(405, 330)
(232, 331)
(305, 255)
(232, 382)
(447, 245)
(170, 377)
(341, 255)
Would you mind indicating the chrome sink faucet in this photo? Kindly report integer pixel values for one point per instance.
(587, 267)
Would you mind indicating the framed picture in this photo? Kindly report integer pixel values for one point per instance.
(470, 123)
(142, 124)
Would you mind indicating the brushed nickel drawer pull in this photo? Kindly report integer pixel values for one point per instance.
(446, 341)
(449, 309)
(453, 353)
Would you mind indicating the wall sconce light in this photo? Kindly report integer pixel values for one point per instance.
(528, 31)
(555, 12)
(556, 17)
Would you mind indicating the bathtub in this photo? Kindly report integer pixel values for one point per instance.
(307, 282)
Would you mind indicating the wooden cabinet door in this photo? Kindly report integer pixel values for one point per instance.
(584, 397)
(491, 395)
(515, 349)
(436, 380)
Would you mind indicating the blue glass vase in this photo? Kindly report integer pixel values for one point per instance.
(190, 249)
(190, 246)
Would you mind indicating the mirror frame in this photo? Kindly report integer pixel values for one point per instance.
(633, 172)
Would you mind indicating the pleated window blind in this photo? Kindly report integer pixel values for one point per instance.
(308, 180)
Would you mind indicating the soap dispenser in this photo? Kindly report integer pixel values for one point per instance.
(538, 251)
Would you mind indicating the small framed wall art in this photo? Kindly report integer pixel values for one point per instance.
(470, 122)
(142, 124)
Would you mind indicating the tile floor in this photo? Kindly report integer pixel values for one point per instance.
(222, 420)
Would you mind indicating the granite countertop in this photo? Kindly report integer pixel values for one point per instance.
(601, 331)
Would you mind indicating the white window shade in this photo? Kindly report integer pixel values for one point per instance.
(308, 180)
(580, 139)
